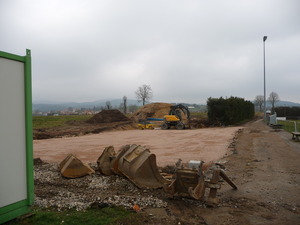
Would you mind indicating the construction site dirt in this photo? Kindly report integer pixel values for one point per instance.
(208, 144)
(264, 165)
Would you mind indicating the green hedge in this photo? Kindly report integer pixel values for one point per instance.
(229, 111)
(284, 111)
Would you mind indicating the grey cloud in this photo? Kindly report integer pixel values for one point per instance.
(186, 50)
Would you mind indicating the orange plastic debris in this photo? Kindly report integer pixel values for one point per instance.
(136, 208)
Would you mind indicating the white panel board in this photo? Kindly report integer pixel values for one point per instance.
(13, 186)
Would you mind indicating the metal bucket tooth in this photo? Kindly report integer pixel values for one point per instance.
(139, 166)
(72, 167)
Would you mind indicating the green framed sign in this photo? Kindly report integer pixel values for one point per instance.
(16, 148)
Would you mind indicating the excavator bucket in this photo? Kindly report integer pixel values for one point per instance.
(105, 159)
(139, 166)
(191, 183)
(72, 167)
(114, 165)
(134, 162)
(187, 183)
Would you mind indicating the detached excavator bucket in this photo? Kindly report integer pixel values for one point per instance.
(105, 159)
(187, 183)
(139, 166)
(72, 167)
(114, 165)
(191, 183)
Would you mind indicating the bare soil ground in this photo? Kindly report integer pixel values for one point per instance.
(209, 144)
(264, 165)
(80, 128)
(112, 120)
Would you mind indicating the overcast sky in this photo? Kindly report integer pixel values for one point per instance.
(187, 50)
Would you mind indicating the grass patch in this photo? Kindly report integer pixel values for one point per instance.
(56, 121)
(102, 216)
(289, 125)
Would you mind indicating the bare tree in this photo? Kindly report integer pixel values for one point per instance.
(273, 98)
(125, 104)
(259, 101)
(144, 93)
(108, 105)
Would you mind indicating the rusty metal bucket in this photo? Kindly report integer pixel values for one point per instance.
(72, 167)
(191, 183)
(105, 159)
(187, 183)
(134, 162)
(139, 166)
(114, 165)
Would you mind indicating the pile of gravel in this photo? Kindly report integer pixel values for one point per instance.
(53, 190)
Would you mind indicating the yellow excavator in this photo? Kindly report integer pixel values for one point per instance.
(143, 124)
(176, 118)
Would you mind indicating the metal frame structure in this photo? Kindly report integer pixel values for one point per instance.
(265, 106)
(20, 207)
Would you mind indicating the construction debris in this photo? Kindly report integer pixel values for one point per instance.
(191, 182)
(105, 159)
(114, 165)
(54, 191)
(134, 162)
(139, 166)
(72, 167)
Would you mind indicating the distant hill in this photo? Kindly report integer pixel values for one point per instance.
(286, 103)
(283, 103)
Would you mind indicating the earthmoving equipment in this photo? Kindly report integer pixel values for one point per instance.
(134, 162)
(139, 166)
(114, 165)
(192, 183)
(175, 117)
(72, 167)
(144, 124)
(104, 160)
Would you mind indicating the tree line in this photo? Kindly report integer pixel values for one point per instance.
(291, 112)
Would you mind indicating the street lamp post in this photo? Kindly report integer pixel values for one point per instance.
(264, 40)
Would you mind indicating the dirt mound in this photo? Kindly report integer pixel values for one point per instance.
(199, 123)
(108, 116)
(155, 110)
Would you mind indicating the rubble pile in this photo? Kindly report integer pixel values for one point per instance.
(106, 183)
(53, 190)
